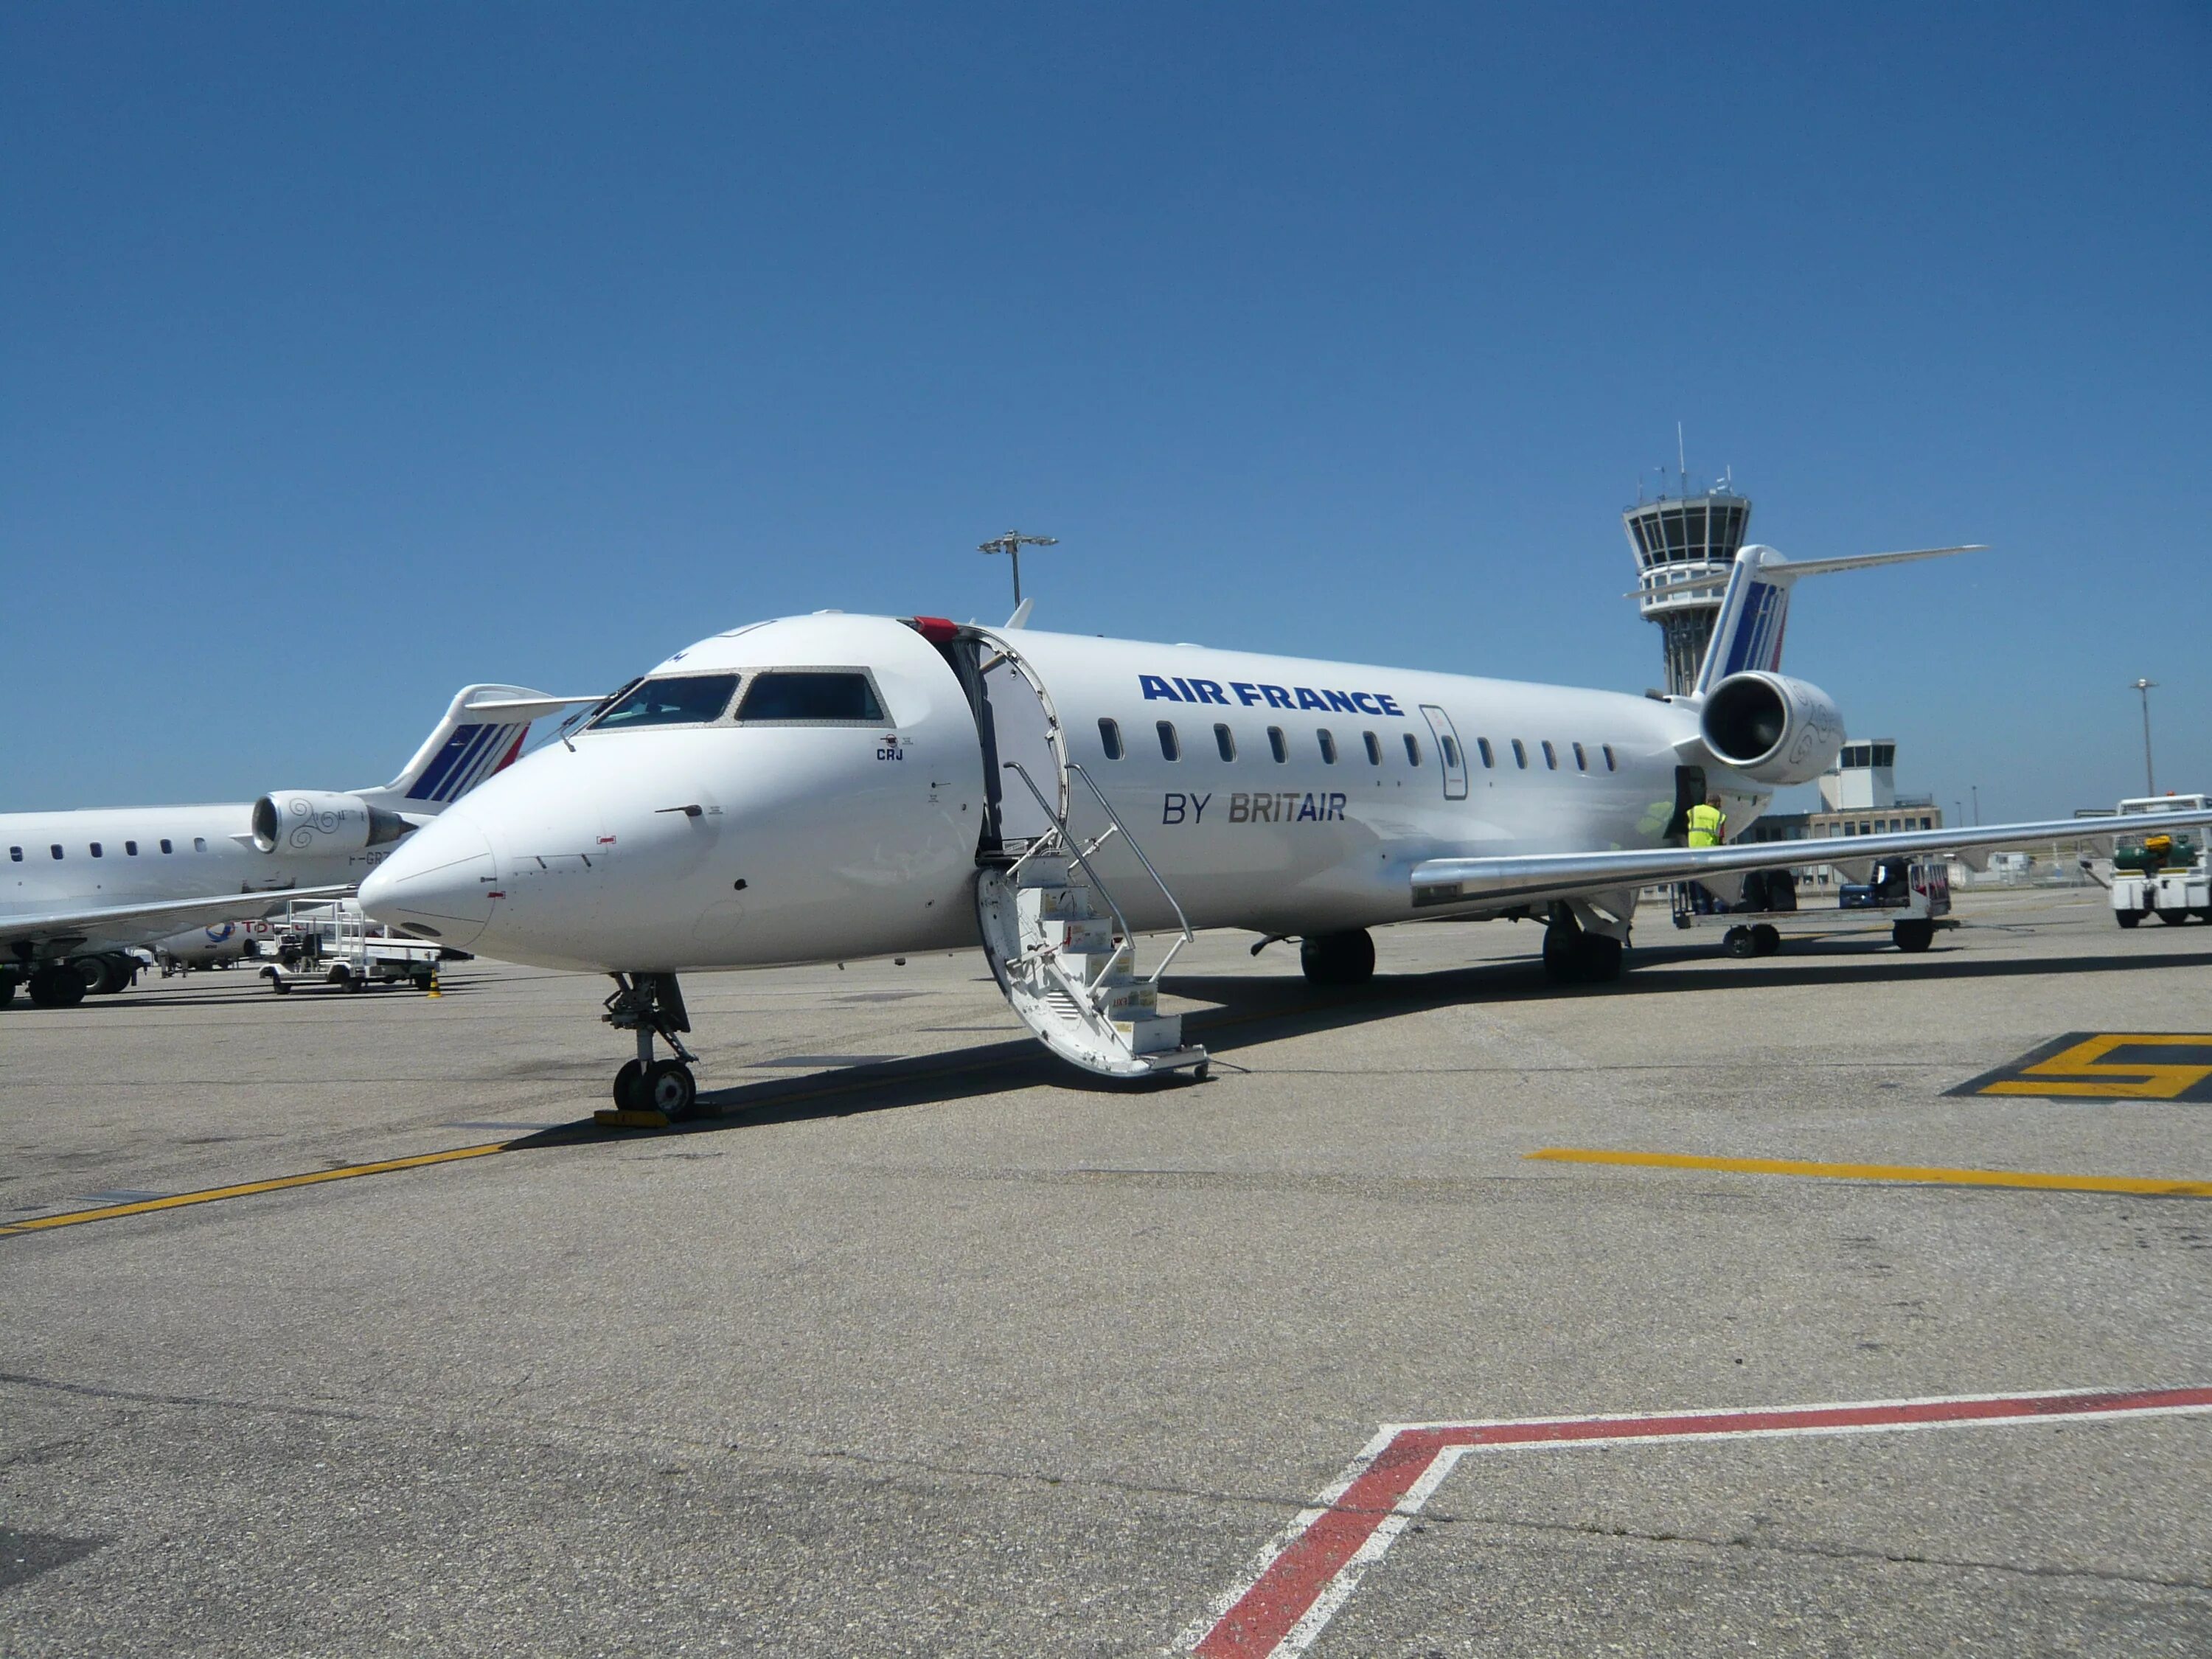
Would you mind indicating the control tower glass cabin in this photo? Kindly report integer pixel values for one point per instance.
(1685, 546)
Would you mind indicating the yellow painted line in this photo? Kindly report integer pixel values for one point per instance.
(246, 1189)
(2023, 1178)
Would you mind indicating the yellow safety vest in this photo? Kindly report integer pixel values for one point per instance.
(1705, 823)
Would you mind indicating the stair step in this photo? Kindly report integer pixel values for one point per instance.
(1157, 1034)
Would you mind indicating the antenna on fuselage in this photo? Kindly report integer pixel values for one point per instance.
(1011, 545)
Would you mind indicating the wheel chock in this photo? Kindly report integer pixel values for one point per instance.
(613, 1117)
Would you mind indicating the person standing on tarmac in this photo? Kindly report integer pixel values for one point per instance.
(1708, 828)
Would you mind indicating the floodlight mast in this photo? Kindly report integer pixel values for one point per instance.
(2150, 776)
(1011, 545)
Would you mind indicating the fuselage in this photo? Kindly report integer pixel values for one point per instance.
(1285, 795)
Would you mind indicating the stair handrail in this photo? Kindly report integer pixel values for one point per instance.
(1075, 849)
(1113, 818)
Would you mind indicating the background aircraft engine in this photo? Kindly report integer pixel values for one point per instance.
(1771, 728)
(316, 821)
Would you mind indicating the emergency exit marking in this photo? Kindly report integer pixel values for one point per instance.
(2107, 1066)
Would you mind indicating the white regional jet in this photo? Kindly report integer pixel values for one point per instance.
(835, 787)
(80, 888)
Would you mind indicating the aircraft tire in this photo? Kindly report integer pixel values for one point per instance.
(101, 977)
(57, 985)
(1338, 959)
(1913, 935)
(1603, 956)
(7, 989)
(671, 1088)
(2127, 918)
(630, 1087)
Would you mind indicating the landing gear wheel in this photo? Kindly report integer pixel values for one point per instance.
(57, 985)
(1765, 939)
(7, 989)
(670, 1089)
(630, 1087)
(1601, 959)
(2173, 918)
(2127, 918)
(1913, 935)
(101, 976)
(1338, 958)
(1738, 942)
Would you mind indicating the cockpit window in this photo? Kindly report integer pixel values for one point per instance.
(689, 700)
(787, 695)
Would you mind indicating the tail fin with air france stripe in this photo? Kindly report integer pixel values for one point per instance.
(1755, 610)
(482, 732)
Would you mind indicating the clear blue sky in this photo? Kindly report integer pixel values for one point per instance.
(354, 351)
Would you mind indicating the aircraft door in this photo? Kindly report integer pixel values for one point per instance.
(1454, 758)
(1015, 721)
(1689, 791)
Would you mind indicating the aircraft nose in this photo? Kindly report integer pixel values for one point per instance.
(440, 882)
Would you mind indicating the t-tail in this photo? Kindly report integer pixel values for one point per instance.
(1755, 610)
(483, 733)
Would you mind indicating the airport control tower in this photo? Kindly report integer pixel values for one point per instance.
(1685, 546)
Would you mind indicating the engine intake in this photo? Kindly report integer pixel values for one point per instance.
(316, 821)
(1771, 728)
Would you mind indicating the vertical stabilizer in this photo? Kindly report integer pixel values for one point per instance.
(482, 732)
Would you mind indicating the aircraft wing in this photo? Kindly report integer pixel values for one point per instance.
(154, 921)
(1540, 876)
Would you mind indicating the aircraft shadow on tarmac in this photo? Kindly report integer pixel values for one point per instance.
(1248, 1010)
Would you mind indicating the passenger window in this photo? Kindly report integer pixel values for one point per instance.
(1328, 746)
(95, 849)
(1413, 749)
(786, 697)
(689, 700)
(16, 853)
(131, 848)
(1109, 738)
(199, 843)
(1520, 755)
(1451, 751)
(1170, 745)
(166, 848)
(1225, 741)
(1608, 757)
(1551, 756)
(1374, 748)
(1582, 761)
(1482, 748)
(1276, 746)
(57, 849)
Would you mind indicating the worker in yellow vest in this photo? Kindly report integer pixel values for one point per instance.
(1708, 828)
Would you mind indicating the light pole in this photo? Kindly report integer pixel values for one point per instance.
(2150, 777)
(1976, 791)
(1011, 545)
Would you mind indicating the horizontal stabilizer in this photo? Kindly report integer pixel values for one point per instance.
(1543, 876)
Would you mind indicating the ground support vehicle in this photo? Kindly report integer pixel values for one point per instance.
(1909, 898)
(335, 944)
(2156, 872)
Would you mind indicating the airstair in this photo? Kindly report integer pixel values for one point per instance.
(1069, 970)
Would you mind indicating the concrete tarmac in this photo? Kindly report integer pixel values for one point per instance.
(921, 1344)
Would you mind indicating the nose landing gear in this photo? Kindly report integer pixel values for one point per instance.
(651, 1093)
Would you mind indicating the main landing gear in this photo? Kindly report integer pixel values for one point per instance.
(1573, 955)
(651, 1093)
(57, 985)
(1338, 959)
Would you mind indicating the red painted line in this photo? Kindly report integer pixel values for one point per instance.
(1287, 1601)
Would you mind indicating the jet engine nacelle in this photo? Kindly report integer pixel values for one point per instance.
(1771, 728)
(316, 821)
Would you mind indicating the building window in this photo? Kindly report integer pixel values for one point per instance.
(131, 848)
(1582, 761)
(1489, 757)
(1551, 756)
(1276, 746)
(1607, 751)
(1413, 749)
(1451, 752)
(1926, 824)
(166, 848)
(1328, 746)
(1170, 745)
(1374, 748)
(1109, 739)
(1225, 741)
(1520, 754)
